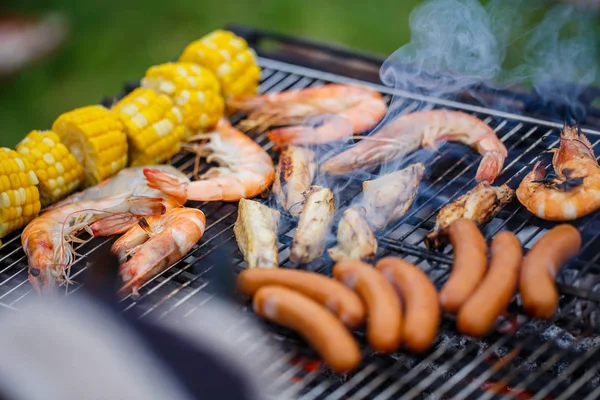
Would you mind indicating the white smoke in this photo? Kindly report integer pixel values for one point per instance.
(561, 55)
(452, 47)
(457, 45)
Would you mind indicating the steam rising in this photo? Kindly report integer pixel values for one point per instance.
(452, 39)
(557, 60)
(459, 44)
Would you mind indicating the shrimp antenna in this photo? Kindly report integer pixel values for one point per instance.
(293, 205)
(571, 123)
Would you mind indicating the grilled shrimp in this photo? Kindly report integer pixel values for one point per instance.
(127, 182)
(574, 191)
(480, 204)
(293, 176)
(155, 246)
(245, 169)
(389, 197)
(354, 109)
(427, 129)
(47, 239)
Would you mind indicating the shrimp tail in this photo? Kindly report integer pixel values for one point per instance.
(42, 286)
(145, 264)
(571, 131)
(143, 206)
(292, 135)
(115, 224)
(123, 217)
(170, 184)
(490, 166)
(537, 174)
(316, 130)
(245, 103)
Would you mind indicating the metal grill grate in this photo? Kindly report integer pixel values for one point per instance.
(524, 359)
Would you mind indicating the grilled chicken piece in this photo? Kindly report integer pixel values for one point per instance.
(256, 234)
(314, 225)
(481, 204)
(293, 177)
(355, 239)
(387, 198)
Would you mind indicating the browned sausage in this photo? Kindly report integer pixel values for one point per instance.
(342, 301)
(384, 311)
(477, 316)
(319, 327)
(540, 266)
(468, 269)
(420, 301)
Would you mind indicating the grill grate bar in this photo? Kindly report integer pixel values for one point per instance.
(521, 387)
(412, 374)
(11, 253)
(8, 307)
(341, 392)
(575, 386)
(377, 381)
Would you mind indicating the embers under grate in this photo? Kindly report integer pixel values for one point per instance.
(523, 359)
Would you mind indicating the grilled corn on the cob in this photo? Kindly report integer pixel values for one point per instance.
(57, 169)
(96, 137)
(19, 196)
(230, 58)
(194, 89)
(153, 126)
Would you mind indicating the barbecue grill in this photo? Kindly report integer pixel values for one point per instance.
(523, 358)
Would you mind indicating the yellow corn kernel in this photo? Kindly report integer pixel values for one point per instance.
(19, 196)
(195, 91)
(90, 133)
(230, 58)
(50, 158)
(153, 125)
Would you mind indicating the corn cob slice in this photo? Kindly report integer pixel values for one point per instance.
(96, 138)
(153, 126)
(19, 196)
(230, 58)
(57, 169)
(195, 90)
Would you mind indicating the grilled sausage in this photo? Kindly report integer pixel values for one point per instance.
(340, 300)
(420, 300)
(477, 316)
(384, 310)
(540, 266)
(468, 269)
(320, 328)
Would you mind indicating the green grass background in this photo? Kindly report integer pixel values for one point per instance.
(116, 40)
(112, 41)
